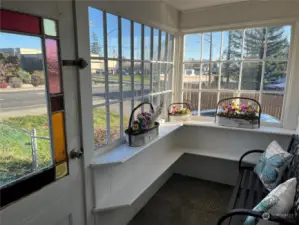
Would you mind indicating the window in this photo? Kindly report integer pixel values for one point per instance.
(246, 63)
(32, 141)
(130, 63)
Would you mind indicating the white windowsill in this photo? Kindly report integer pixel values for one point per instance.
(124, 152)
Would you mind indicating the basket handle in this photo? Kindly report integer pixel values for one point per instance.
(138, 106)
(182, 103)
(251, 99)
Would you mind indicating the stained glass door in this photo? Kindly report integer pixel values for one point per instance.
(39, 120)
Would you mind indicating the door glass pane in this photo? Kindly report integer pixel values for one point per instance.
(99, 127)
(230, 73)
(98, 81)
(96, 32)
(192, 98)
(127, 109)
(58, 136)
(24, 123)
(275, 76)
(232, 44)
(156, 77)
(192, 47)
(137, 41)
(208, 104)
(168, 77)
(20, 22)
(163, 67)
(278, 42)
(251, 75)
(112, 35)
(50, 27)
(53, 66)
(147, 43)
(126, 38)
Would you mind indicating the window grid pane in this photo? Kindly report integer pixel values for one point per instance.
(139, 44)
(248, 62)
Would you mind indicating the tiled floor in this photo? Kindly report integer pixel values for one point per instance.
(185, 201)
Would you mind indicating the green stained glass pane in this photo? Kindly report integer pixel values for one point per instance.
(50, 27)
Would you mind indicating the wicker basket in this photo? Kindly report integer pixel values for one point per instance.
(139, 138)
(238, 120)
(176, 118)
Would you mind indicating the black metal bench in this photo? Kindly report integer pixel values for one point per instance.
(249, 191)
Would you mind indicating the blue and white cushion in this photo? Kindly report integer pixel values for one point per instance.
(272, 164)
(277, 202)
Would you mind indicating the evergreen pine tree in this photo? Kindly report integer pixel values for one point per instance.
(94, 46)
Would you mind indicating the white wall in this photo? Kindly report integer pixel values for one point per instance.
(243, 12)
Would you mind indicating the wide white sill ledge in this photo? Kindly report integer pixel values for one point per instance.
(124, 152)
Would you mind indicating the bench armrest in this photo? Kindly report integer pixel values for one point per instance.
(247, 153)
(259, 215)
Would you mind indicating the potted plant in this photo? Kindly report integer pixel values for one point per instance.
(235, 114)
(179, 113)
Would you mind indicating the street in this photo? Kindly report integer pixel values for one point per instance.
(18, 101)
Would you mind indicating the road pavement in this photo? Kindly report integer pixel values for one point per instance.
(19, 101)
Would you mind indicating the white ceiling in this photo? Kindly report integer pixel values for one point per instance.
(194, 4)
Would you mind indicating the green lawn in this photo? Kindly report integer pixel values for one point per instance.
(15, 145)
(137, 78)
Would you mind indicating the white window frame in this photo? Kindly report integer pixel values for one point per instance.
(109, 144)
(292, 68)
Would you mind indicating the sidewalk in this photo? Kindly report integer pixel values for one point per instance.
(25, 87)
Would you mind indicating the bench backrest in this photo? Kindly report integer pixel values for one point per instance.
(293, 170)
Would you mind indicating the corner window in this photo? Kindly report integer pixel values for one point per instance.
(133, 63)
(249, 62)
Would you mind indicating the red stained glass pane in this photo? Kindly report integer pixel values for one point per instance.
(53, 67)
(57, 103)
(19, 22)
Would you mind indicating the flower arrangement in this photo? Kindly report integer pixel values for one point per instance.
(143, 122)
(244, 111)
(178, 111)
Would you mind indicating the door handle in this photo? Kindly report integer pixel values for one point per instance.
(76, 154)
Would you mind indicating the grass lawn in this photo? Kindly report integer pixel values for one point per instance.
(137, 78)
(15, 145)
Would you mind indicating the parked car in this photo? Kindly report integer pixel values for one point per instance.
(212, 112)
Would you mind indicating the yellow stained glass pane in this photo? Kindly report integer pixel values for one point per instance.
(61, 170)
(58, 136)
(50, 27)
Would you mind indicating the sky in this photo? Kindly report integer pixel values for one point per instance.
(192, 41)
(8, 40)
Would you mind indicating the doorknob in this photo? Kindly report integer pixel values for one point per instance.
(76, 154)
(80, 63)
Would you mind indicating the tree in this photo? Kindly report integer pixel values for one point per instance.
(94, 46)
(254, 48)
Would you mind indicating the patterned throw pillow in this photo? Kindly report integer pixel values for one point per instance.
(272, 164)
(277, 202)
(293, 170)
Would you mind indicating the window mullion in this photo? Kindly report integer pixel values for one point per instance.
(165, 60)
(151, 59)
(263, 67)
(121, 106)
(142, 60)
(106, 78)
(241, 65)
(132, 64)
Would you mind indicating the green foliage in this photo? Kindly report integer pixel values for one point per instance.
(94, 46)
(25, 76)
(16, 82)
(37, 79)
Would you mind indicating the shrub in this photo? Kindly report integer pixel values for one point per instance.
(3, 84)
(16, 82)
(37, 79)
(25, 76)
